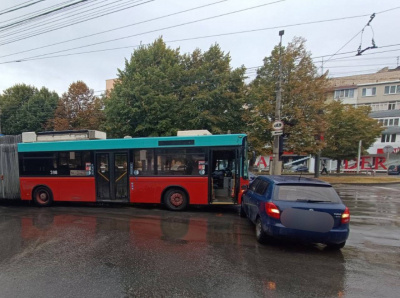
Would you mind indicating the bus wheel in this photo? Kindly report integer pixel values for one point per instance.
(42, 196)
(175, 199)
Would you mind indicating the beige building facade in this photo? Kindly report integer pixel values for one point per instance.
(381, 92)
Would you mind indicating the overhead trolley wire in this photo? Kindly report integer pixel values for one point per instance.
(43, 14)
(361, 31)
(186, 39)
(52, 19)
(37, 17)
(20, 7)
(118, 28)
(155, 30)
(75, 23)
(32, 13)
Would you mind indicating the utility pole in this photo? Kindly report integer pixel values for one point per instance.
(276, 164)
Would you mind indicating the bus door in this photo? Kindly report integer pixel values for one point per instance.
(225, 175)
(112, 176)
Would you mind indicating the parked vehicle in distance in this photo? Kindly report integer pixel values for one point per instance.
(303, 209)
(394, 170)
(299, 168)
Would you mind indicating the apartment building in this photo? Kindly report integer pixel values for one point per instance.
(381, 92)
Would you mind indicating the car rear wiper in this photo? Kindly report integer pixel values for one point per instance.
(311, 201)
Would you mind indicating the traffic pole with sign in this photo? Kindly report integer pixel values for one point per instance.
(276, 164)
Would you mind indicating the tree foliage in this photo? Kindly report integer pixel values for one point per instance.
(77, 109)
(25, 108)
(303, 99)
(347, 125)
(161, 91)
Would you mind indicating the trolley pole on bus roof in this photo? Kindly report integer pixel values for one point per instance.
(276, 164)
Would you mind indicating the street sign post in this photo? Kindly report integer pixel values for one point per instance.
(277, 133)
(277, 125)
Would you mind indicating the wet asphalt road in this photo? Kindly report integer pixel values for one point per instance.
(125, 251)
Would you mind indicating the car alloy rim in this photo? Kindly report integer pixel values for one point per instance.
(176, 199)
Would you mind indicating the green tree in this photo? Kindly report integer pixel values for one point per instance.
(348, 125)
(144, 100)
(25, 108)
(303, 99)
(78, 109)
(213, 94)
(161, 91)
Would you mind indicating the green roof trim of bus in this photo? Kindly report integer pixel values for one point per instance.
(114, 144)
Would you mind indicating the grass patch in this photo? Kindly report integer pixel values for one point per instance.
(360, 179)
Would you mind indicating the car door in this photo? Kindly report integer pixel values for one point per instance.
(247, 197)
(258, 199)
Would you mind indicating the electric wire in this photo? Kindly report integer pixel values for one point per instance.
(118, 28)
(215, 35)
(21, 7)
(43, 14)
(155, 30)
(383, 11)
(53, 19)
(33, 13)
(37, 17)
(82, 20)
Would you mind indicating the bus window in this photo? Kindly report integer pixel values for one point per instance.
(184, 162)
(143, 162)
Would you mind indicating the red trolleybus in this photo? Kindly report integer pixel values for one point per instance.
(175, 171)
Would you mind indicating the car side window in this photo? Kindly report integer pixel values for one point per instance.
(262, 187)
(253, 186)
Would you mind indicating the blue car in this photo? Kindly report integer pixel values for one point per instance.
(297, 208)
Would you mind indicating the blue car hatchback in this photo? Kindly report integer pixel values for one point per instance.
(291, 207)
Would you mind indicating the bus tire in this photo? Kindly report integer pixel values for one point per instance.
(42, 196)
(176, 199)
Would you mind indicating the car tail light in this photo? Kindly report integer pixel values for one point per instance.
(346, 216)
(272, 210)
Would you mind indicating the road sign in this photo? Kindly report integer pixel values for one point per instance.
(388, 149)
(277, 125)
(277, 133)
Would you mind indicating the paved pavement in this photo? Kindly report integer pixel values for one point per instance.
(125, 251)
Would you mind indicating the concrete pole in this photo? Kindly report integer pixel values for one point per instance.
(276, 164)
(359, 156)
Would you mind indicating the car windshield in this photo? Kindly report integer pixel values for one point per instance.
(392, 167)
(307, 193)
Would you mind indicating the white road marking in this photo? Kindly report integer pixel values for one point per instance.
(388, 188)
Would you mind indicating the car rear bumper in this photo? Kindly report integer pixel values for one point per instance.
(334, 236)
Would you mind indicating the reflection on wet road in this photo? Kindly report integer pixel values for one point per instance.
(125, 251)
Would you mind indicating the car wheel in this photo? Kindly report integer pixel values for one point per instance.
(261, 236)
(242, 212)
(335, 246)
(42, 196)
(176, 199)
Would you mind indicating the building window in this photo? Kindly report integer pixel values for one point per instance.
(388, 138)
(392, 89)
(344, 93)
(371, 91)
(389, 121)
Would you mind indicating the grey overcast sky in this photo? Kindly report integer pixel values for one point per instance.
(22, 62)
